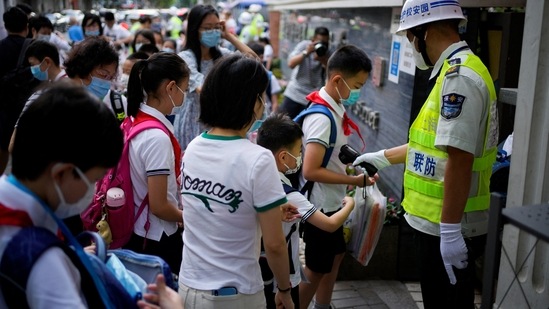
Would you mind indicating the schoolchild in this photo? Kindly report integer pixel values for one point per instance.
(74, 153)
(347, 71)
(155, 157)
(231, 196)
(282, 136)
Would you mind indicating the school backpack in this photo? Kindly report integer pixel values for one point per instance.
(121, 219)
(100, 287)
(312, 109)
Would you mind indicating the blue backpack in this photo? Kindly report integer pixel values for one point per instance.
(313, 109)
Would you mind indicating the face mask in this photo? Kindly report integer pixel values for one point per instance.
(138, 46)
(168, 50)
(175, 109)
(354, 95)
(99, 87)
(298, 162)
(43, 37)
(418, 57)
(38, 74)
(92, 33)
(210, 38)
(66, 210)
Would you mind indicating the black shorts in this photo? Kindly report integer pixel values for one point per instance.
(321, 247)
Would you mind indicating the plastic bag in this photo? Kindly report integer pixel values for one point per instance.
(363, 226)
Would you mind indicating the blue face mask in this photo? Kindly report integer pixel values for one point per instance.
(44, 37)
(92, 33)
(354, 95)
(38, 74)
(99, 87)
(210, 38)
(252, 131)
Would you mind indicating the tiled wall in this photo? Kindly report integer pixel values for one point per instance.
(369, 29)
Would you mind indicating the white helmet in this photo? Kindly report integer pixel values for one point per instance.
(245, 18)
(419, 12)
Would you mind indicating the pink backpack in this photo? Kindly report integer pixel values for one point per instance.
(121, 219)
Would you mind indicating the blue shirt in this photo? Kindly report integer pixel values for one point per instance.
(75, 33)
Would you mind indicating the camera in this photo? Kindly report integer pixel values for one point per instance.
(321, 49)
(348, 155)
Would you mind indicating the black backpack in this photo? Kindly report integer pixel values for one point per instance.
(17, 85)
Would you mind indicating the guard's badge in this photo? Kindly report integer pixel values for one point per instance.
(451, 105)
(454, 69)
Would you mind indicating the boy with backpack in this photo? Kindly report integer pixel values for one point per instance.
(282, 136)
(44, 189)
(347, 71)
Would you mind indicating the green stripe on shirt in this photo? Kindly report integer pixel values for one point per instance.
(274, 204)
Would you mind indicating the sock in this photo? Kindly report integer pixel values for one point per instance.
(321, 306)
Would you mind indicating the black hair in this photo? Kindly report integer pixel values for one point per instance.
(95, 20)
(40, 49)
(264, 40)
(138, 56)
(88, 54)
(229, 102)
(173, 42)
(74, 127)
(109, 16)
(349, 60)
(145, 19)
(148, 75)
(147, 34)
(192, 41)
(322, 31)
(148, 49)
(15, 20)
(39, 22)
(25, 8)
(257, 48)
(278, 131)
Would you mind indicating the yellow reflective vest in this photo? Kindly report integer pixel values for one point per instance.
(425, 164)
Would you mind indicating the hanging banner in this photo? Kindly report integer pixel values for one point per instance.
(395, 58)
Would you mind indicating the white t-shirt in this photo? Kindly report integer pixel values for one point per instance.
(226, 182)
(116, 33)
(151, 154)
(268, 52)
(54, 282)
(316, 129)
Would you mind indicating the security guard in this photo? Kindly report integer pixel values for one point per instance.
(449, 156)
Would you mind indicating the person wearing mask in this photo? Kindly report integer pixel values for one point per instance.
(91, 25)
(117, 34)
(157, 88)
(220, 268)
(75, 151)
(127, 65)
(141, 38)
(204, 32)
(42, 29)
(449, 156)
(12, 48)
(308, 71)
(169, 46)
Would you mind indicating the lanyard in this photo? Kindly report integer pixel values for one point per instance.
(71, 240)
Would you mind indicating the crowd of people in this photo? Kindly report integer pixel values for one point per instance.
(220, 206)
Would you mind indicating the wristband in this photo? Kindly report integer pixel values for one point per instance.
(284, 290)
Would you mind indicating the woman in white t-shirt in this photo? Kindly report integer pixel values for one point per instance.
(155, 157)
(231, 196)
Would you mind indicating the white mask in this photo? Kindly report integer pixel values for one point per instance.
(175, 109)
(65, 210)
(298, 163)
(138, 46)
(418, 58)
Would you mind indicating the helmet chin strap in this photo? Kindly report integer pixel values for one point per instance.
(419, 32)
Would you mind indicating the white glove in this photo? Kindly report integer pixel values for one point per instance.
(377, 159)
(452, 248)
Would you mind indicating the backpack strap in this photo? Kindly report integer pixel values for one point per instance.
(313, 109)
(117, 105)
(23, 52)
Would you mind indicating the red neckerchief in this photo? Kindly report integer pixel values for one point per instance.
(140, 117)
(348, 124)
(20, 218)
